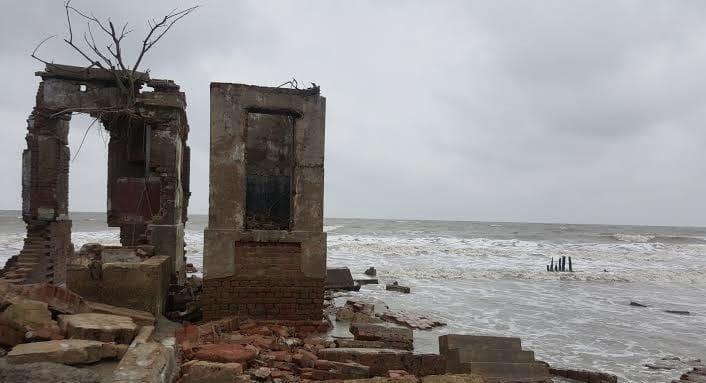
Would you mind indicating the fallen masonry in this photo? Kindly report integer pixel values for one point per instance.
(395, 286)
(67, 351)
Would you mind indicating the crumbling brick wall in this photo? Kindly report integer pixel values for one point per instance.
(147, 194)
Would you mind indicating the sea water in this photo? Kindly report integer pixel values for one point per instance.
(490, 279)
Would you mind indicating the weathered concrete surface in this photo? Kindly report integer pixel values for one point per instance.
(142, 318)
(494, 358)
(198, 371)
(101, 327)
(67, 351)
(340, 278)
(383, 379)
(57, 298)
(265, 241)
(594, 376)
(383, 360)
(146, 363)
(25, 318)
(146, 281)
(459, 341)
(391, 336)
(45, 372)
(453, 378)
(225, 353)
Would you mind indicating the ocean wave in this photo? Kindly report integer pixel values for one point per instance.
(655, 238)
(693, 276)
(633, 238)
(480, 247)
(332, 228)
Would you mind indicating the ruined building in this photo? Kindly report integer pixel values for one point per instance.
(148, 176)
(264, 247)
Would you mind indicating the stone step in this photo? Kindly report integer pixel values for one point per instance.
(524, 372)
(471, 342)
(494, 355)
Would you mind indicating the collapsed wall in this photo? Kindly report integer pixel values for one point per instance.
(264, 247)
(148, 168)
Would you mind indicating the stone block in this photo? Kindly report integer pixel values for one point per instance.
(225, 353)
(101, 327)
(394, 337)
(28, 317)
(339, 278)
(142, 318)
(525, 372)
(45, 372)
(135, 285)
(394, 286)
(146, 363)
(67, 351)
(199, 371)
(458, 341)
(492, 355)
(169, 240)
(381, 360)
(352, 343)
(453, 378)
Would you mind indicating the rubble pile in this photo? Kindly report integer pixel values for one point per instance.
(356, 311)
(287, 351)
(48, 326)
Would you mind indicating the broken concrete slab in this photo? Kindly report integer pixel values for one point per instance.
(146, 363)
(147, 281)
(101, 327)
(453, 378)
(587, 376)
(225, 353)
(384, 379)
(142, 318)
(410, 319)
(382, 360)
(395, 286)
(340, 278)
(524, 372)
(352, 343)
(67, 351)
(199, 371)
(45, 372)
(460, 341)
(392, 336)
(32, 319)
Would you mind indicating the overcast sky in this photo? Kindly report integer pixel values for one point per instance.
(543, 111)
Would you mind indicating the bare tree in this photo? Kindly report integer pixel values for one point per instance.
(110, 58)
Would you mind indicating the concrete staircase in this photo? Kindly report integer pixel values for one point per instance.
(497, 359)
(33, 264)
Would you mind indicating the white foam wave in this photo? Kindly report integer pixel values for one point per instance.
(693, 276)
(633, 238)
(332, 228)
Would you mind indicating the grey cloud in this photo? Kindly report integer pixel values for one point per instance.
(565, 111)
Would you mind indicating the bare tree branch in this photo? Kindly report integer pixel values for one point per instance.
(165, 24)
(34, 52)
(110, 58)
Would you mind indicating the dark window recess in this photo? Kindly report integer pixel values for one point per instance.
(136, 142)
(267, 202)
(269, 162)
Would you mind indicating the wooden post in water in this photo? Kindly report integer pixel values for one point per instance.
(570, 268)
(551, 267)
(563, 263)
